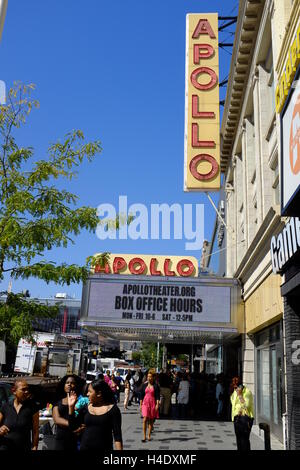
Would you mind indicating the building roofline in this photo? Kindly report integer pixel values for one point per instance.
(250, 12)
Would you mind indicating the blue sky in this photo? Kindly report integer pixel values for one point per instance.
(115, 70)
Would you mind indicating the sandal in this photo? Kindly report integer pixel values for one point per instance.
(143, 440)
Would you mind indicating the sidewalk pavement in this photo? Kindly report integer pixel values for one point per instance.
(174, 434)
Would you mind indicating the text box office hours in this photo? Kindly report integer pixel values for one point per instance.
(137, 302)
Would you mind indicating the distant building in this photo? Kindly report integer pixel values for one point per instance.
(129, 347)
(67, 319)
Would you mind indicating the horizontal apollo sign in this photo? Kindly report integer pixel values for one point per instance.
(152, 265)
(145, 303)
(202, 117)
(285, 245)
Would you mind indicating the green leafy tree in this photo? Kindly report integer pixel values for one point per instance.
(149, 355)
(36, 216)
(137, 357)
(17, 316)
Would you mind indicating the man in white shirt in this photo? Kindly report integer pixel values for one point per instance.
(131, 383)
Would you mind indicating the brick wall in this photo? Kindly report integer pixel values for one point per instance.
(292, 333)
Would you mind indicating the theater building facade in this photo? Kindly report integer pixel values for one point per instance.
(185, 308)
(251, 162)
(285, 244)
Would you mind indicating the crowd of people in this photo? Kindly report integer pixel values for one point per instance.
(88, 417)
(185, 394)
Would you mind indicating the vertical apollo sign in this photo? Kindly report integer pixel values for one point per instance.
(202, 116)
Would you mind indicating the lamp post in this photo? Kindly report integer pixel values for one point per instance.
(3, 8)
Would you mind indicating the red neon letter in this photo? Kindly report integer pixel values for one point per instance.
(102, 269)
(166, 268)
(118, 264)
(213, 78)
(208, 52)
(181, 264)
(139, 270)
(200, 114)
(204, 157)
(203, 27)
(153, 271)
(200, 143)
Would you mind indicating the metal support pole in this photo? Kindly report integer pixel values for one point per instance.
(228, 228)
(192, 359)
(157, 357)
(164, 357)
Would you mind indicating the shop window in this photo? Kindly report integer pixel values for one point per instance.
(269, 373)
(262, 338)
(263, 372)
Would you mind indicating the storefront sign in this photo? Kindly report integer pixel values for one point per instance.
(202, 120)
(285, 245)
(286, 79)
(145, 303)
(290, 154)
(151, 265)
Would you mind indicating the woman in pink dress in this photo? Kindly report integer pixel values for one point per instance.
(149, 404)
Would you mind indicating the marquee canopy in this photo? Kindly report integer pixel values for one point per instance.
(171, 310)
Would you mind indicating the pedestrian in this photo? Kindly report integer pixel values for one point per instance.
(232, 387)
(131, 393)
(183, 396)
(138, 380)
(220, 395)
(211, 394)
(19, 420)
(127, 391)
(114, 386)
(120, 382)
(201, 394)
(99, 374)
(242, 415)
(102, 419)
(149, 404)
(107, 376)
(65, 438)
(165, 384)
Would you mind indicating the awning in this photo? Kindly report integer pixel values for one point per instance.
(169, 334)
(201, 310)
